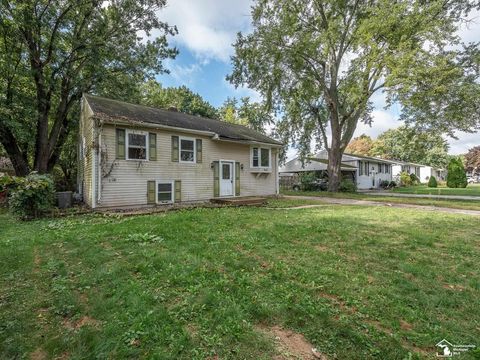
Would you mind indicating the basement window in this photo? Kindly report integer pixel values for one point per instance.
(164, 192)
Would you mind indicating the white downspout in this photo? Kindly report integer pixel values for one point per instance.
(277, 180)
(94, 168)
(99, 168)
(94, 190)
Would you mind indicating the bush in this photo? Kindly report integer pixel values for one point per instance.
(405, 179)
(393, 184)
(414, 178)
(33, 196)
(307, 180)
(456, 176)
(384, 184)
(347, 185)
(432, 182)
(8, 183)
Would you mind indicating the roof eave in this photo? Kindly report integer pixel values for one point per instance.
(249, 142)
(127, 122)
(214, 135)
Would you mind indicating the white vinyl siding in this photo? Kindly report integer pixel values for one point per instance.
(126, 183)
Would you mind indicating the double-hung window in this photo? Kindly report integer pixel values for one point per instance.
(387, 169)
(360, 168)
(137, 145)
(187, 150)
(260, 157)
(165, 192)
(380, 168)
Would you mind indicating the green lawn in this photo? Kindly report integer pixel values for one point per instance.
(470, 190)
(448, 203)
(358, 282)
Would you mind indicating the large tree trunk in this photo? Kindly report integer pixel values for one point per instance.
(335, 153)
(16, 155)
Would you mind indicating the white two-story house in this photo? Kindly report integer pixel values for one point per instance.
(133, 155)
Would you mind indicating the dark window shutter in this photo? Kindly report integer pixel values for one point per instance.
(121, 144)
(151, 192)
(178, 190)
(175, 148)
(216, 179)
(152, 144)
(237, 178)
(199, 150)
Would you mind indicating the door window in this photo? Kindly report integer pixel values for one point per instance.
(226, 171)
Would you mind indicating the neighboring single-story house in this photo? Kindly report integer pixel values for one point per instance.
(133, 155)
(367, 172)
(423, 172)
(408, 167)
(313, 163)
(371, 171)
(426, 172)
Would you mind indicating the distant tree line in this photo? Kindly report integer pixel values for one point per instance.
(404, 144)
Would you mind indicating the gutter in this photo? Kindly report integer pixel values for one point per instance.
(248, 142)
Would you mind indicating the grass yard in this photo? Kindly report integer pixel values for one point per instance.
(356, 282)
(448, 203)
(470, 190)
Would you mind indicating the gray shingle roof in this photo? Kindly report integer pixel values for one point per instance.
(111, 110)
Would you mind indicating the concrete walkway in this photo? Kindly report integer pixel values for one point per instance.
(339, 201)
(426, 196)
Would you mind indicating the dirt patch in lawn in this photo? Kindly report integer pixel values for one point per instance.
(290, 345)
(405, 325)
(455, 287)
(83, 321)
(38, 354)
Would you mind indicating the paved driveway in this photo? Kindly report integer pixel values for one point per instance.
(342, 201)
(428, 196)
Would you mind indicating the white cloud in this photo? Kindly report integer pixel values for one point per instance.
(465, 142)
(382, 121)
(207, 27)
(184, 74)
(470, 31)
(242, 91)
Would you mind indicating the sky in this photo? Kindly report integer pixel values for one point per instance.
(207, 29)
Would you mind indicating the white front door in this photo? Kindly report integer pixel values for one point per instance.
(226, 178)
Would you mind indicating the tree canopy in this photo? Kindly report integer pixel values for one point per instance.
(361, 145)
(412, 145)
(472, 160)
(182, 98)
(320, 62)
(252, 114)
(53, 51)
